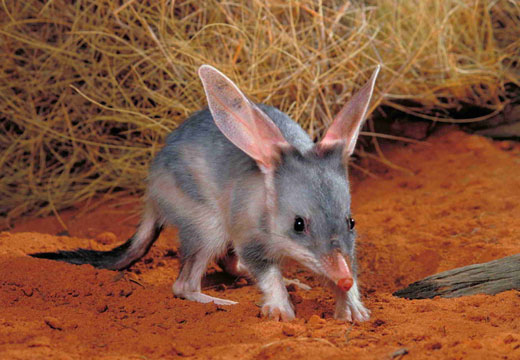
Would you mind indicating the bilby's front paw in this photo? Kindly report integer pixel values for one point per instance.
(278, 311)
(353, 313)
(349, 306)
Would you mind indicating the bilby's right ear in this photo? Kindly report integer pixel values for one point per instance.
(347, 124)
(240, 120)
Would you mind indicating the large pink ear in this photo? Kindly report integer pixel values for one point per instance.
(348, 122)
(240, 120)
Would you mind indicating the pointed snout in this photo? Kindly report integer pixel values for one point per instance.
(338, 270)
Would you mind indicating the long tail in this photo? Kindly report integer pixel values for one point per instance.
(118, 258)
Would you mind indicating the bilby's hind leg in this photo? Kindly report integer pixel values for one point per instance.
(195, 211)
(196, 254)
(187, 285)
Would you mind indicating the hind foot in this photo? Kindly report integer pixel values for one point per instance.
(203, 298)
(180, 291)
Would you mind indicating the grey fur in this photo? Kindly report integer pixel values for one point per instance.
(220, 198)
(255, 255)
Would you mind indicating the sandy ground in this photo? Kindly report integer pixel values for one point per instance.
(457, 204)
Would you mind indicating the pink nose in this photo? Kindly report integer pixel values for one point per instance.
(337, 270)
(345, 284)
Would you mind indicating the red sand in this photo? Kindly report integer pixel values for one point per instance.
(459, 205)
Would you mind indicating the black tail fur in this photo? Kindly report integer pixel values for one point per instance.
(112, 259)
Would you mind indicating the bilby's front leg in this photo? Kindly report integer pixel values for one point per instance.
(187, 285)
(349, 306)
(276, 304)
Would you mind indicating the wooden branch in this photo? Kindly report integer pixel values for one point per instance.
(487, 278)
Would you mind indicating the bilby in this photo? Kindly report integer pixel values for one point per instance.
(246, 177)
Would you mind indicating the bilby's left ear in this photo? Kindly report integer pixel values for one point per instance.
(241, 121)
(348, 122)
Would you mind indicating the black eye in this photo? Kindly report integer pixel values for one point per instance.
(351, 222)
(299, 224)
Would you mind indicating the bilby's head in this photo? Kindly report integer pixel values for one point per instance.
(307, 194)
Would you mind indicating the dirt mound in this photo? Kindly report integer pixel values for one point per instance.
(458, 205)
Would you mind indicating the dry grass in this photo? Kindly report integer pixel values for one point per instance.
(90, 88)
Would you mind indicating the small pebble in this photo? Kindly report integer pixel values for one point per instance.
(106, 238)
(506, 145)
(126, 293)
(94, 245)
(509, 339)
(53, 323)
(378, 323)
(434, 346)
(315, 320)
(475, 344)
(183, 349)
(39, 341)
(241, 282)
(180, 320)
(399, 353)
(101, 308)
(289, 330)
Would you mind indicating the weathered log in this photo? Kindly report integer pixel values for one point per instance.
(487, 278)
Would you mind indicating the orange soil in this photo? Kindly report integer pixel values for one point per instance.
(458, 205)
